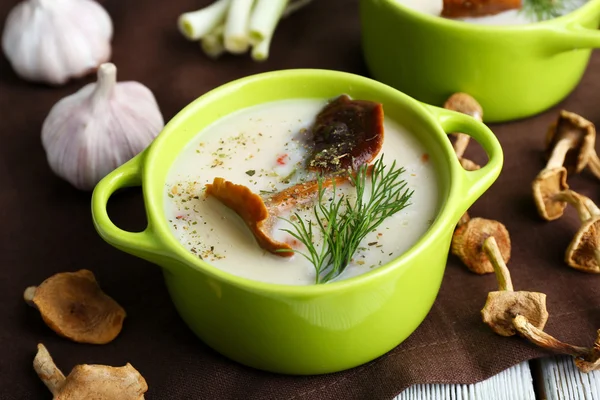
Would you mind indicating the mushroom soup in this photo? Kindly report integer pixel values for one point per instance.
(261, 155)
(496, 12)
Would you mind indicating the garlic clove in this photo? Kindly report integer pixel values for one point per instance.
(53, 41)
(90, 133)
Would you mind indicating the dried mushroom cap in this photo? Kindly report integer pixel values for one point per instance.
(504, 305)
(73, 305)
(583, 252)
(547, 184)
(97, 382)
(571, 138)
(260, 215)
(468, 240)
(464, 103)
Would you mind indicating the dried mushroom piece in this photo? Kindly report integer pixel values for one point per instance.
(346, 134)
(583, 252)
(97, 382)
(546, 187)
(477, 8)
(251, 208)
(570, 142)
(468, 164)
(504, 305)
(73, 305)
(464, 103)
(260, 215)
(468, 243)
(591, 361)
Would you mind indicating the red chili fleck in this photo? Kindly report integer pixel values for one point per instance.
(281, 159)
(179, 217)
(425, 157)
(293, 242)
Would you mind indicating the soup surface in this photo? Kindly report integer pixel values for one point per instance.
(260, 147)
(510, 17)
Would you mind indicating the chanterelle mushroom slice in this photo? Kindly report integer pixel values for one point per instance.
(503, 306)
(73, 305)
(546, 186)
(97, 382)
(260, 215)
(477, 8)
(346, 134)
(570, 142)
(583, 252)
(469, 238)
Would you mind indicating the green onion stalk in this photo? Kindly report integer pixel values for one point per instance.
(235, 26)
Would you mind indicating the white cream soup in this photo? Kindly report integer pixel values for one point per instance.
(258, 147)
(510, 17)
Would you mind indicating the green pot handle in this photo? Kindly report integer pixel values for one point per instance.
(474, 183)
(572, 37)
(142, 244)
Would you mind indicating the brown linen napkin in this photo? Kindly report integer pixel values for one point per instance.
(47, 228)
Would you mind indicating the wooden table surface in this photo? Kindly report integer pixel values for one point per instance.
(553, 378)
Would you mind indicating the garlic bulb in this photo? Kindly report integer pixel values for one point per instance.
(90, 133)
(54, 40)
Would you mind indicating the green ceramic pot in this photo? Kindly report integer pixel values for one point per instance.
(513, 71)
(301, 329)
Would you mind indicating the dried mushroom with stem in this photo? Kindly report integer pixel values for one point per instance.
(586, 359)
(572, 138)
(504, 305)
(569, 148)
(98, 382)
(73, 305)
(463, 103)
(471, 233)
(508, 313)
(583, 252)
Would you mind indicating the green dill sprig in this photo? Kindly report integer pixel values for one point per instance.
(541, 10)
(344, 223)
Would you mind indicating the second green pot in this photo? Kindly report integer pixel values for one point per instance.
(513, 71)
